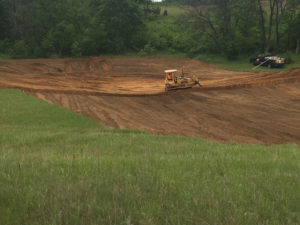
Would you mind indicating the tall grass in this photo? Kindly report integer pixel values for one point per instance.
(60, 168)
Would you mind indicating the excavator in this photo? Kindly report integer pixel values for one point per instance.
(173, 81)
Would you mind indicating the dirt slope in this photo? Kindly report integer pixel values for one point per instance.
(258, 108)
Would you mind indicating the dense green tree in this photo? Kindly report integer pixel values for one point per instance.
(243, 26)
(54, 19)
(94, 40)
(219, 25)
(122, 23)
(60, 39)
(4, 19)
(291, 24)
(41, 28)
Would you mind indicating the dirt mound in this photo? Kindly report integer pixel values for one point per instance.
(260, 108)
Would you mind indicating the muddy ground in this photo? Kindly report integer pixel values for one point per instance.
(248, 107)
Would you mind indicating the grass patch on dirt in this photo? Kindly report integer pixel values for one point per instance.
(57, 167)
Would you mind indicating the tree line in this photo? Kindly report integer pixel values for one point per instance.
(59, 28)
(242, 26)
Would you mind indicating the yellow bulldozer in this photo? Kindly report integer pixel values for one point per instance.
(174, 81)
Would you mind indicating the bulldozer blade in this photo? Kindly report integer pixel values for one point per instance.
(197, 82)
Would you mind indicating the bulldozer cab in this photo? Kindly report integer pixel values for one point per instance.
(170, 75)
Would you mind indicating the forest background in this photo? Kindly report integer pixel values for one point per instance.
(78, 28)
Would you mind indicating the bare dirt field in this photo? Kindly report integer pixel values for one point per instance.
(248, 107)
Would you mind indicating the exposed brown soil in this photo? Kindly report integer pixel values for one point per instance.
(258, 108)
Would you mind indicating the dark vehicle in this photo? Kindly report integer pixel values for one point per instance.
(268, 60)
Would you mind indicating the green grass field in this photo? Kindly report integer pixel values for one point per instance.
(57, 167)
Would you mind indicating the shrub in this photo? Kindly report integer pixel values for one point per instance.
(5, 45)
(75, 49)
(19, 49)
(288, 57)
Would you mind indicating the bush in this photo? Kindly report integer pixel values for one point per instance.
(60, 39)
(183, 43)
(75, 49)
(289, 58)
(231, 50)
(37, 52)
(147, 50)
(5, 45)
(158, 41)
(19, 50)
(48, 45)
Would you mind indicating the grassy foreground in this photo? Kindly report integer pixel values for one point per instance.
(60, 168)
